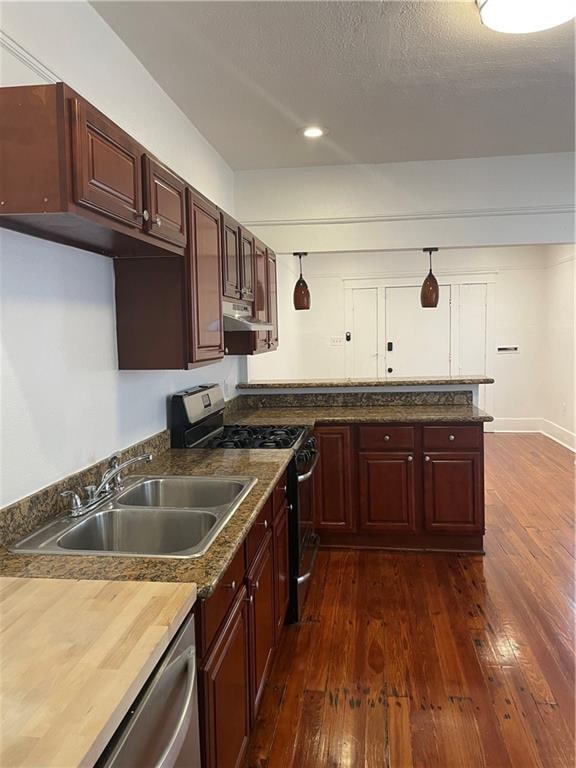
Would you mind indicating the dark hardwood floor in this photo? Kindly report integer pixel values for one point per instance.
(436, 659)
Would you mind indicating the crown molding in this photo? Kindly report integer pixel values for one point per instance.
(26, 58)
(472, 213)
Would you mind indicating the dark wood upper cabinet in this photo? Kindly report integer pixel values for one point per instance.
(272, 300)
(107, 166)
(334, 507)
(262, 618)
(224, 691)
(206, 334)
(454, 491)
(164, 203)
(231, 258)
(246, 265)
(387, 486)
(261, 299)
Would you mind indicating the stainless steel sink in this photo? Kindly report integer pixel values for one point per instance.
(174, 516)
(180, 493)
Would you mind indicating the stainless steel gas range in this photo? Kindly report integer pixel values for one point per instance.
(196, 420)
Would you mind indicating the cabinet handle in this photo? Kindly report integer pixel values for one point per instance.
(231, 586)
(451, 437)
(158, 221)
(145, 215)
(386, 437)
(426, 458)
(410, 458)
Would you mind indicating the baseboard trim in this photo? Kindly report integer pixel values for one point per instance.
(541, 426)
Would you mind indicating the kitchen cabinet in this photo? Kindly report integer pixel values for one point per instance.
(453, 491)
(281, 569)
(387, 486)
(261, 298)
(231, 258)
(164, 203)
(333, 479)
(262, 619)
(272, 300)
(419, 486)
(224, 686)
(206, 332)
(247, 261)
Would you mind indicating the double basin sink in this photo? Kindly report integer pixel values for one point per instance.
(175, 516)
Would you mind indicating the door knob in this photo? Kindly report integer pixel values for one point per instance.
(390, 370)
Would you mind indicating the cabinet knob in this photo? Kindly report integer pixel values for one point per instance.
(451, 437)
(426, 458)
(256, 584)
(386, 437)
(249, 599)
(264, 524)
(145, 215)
(231, 586)
(410, 458)
(158, 221)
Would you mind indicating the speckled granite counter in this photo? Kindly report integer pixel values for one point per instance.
(371, 383)
(309, 416)
(205, 571)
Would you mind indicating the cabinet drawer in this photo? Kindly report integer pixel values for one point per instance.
(256, 534)
(279, 494)
(213, 610)
(442, 438)
(382, 438)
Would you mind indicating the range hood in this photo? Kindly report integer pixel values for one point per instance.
(238, 317)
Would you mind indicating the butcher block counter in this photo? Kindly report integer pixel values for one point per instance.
(73, 657)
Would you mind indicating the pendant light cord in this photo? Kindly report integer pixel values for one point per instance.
(300, 259)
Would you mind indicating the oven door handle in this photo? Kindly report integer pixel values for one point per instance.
(305, 576)
(308, 475)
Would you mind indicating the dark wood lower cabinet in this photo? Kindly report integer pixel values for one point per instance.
(381, 486)
(387, 485)
(454, 491)
(223, 685)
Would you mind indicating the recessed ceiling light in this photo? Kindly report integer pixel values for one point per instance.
(522, 16)
(313, 132)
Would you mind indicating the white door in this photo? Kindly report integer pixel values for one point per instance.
(419, 338)
(364, 336)
(472, 329)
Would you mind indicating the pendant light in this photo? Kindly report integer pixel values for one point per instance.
(301, 290)
(524, 16)
(430, 292)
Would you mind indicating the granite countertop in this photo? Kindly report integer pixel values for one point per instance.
(390, 382)
(204, 571)
(310, 415)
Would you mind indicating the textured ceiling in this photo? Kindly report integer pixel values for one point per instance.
(392, 81)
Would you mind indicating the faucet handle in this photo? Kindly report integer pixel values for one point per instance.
(90, 492)
(75, 501)
(114, 461)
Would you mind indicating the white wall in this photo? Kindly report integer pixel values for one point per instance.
(64, 404)
(497, 201)
(533, 308)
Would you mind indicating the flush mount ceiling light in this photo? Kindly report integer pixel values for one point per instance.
(430, 292)
(523, 16)
(301, 290)
(313, 132)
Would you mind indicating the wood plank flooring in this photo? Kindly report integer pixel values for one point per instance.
(440, 660)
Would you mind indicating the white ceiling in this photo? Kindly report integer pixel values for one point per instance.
(392, 81)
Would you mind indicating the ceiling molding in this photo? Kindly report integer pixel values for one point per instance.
(473, 213)
(26, 58)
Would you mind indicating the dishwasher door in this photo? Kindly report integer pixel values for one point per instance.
(161, 729)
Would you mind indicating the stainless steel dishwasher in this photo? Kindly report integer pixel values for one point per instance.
(161, 728)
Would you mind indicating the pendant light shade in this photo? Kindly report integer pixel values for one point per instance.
(301, 290)
(430, 291)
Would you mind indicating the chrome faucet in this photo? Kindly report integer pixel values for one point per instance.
(111, 481)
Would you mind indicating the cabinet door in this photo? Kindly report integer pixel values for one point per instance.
(224, 681)
(206, 331)
(262, 620)
(230, 257)
(281, 574)
(106, 166)
(387, 491)
(246, 265)
(261, 294)
(165, 203)
(454, 492)
(333, 479)
(272, 300)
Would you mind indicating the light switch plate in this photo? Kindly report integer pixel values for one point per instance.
(336, 341)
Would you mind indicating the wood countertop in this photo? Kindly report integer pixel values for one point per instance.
(73, 657)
